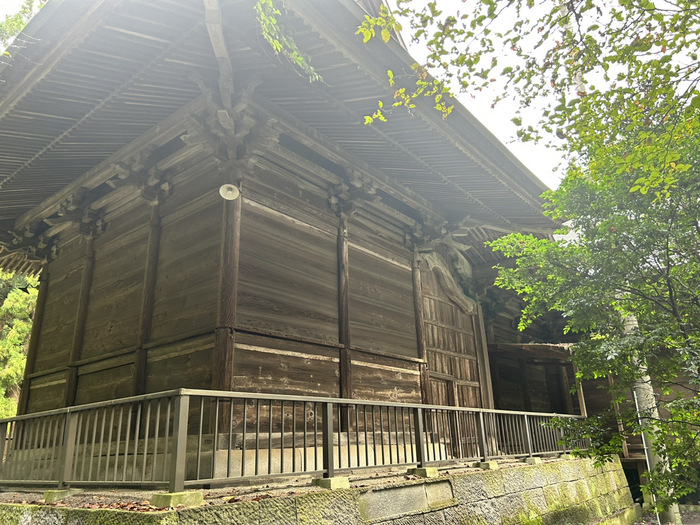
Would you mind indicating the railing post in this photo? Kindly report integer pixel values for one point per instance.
(70, 431)
(528, 438)
(327, 435)
(420, 436)
(3, 444)
(176, 483)
(561, 438)
(482, 438)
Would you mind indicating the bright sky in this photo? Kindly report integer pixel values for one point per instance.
(8, 7)
(537, 157)
(540, 159)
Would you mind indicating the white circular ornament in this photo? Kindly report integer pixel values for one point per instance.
(229, 192)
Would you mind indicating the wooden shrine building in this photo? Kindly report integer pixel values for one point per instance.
(203, 216)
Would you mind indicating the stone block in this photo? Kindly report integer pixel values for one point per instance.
(534, 500)
(469, 488)
(332, 483)
(514, 480)
(115, 517)
(52, 496)
(424, 472)
(510, 507)
(434, 518)
(393, 501)
(178, 499)
(439, 494)
(533, 477)
(573, 515)
(551, 495)
(477, 513)
(245, 513)
(569, 471)
(487, 465)
(335, 506)
(413, 519)
(278, 511)
(534, 460)
(583, 493)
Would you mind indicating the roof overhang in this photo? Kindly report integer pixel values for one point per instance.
(89, 78)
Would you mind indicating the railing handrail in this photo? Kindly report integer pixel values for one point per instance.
(77, 445)
(272, 397)
(95, 404)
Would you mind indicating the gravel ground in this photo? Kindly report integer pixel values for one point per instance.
(690, 514)
(139, 500)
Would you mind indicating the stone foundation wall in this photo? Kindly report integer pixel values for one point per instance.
(552, 493)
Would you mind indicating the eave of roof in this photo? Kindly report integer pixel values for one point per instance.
(97, 75)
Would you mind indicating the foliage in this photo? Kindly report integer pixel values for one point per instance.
(280, 36)
(13, 24)
(17, 300)
(619, 85)
(604, 71)
(634, 254)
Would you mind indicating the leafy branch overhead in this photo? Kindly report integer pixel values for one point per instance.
(12, 25)
(600, 71)
(280, 37)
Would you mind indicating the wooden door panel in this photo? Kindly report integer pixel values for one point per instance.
(451, 347)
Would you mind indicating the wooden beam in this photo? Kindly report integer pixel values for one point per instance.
(224, 344)
(34, 339)
(80, 319)
(215, 28)
(147, 301)
(420, 336)
(170, 128)
(487, 400)
(344, 308)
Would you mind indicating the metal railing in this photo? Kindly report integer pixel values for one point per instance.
(183, 438)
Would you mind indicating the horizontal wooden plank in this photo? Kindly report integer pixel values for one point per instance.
(287, 277)
(113, 382)
(273, 370)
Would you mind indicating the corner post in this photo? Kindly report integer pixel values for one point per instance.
(224, 346)
(176, 483)
(70, 431)
(327, 433)
(23, 404)
(420, 335)
(482, 438)
(419, 437)
(344, 308)
(528, 437)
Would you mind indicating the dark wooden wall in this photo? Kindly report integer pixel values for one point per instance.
(133, 298)
(523, 382)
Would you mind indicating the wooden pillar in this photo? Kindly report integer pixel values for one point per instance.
(497, 388)
(147, 300)
(224, 344)
(579, 391)
(80, 319)
(34, 339)
(487, 400)
(525, 383)
(566, 389)
(344, 309)
(420, 336)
